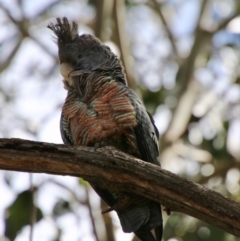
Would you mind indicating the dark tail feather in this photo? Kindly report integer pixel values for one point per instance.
(159, 232)
(154, 223)
(159, 229)
(141, 220)
(133, 218)
(145, 235)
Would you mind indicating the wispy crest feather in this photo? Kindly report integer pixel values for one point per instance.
(64, 31)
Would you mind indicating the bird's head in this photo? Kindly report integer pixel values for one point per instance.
(83, 52)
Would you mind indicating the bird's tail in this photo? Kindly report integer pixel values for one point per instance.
(146, 234)
(141, 220)
(159, 232)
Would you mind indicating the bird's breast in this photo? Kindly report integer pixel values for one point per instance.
(106, 116)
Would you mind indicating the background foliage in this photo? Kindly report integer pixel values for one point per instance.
(181, 57)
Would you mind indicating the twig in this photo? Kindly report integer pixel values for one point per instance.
(66, 188)
(108, 223)
(158, 7)
(14, 51)
(225, 22)
(33, 208)
(91, 214)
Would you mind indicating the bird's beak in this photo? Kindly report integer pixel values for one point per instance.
(65, 70)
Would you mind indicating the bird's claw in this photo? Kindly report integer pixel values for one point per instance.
(123, 202)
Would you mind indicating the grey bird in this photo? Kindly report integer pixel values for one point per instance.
(101, 110)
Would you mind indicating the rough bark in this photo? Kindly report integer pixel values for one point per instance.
(115, 170)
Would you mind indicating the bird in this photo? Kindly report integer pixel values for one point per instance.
(101, 110)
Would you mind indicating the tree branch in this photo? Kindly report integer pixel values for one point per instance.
(226, 21)
(158, 7)
(115, 170)
(120, 38)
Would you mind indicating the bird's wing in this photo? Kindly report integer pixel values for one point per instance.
(146, 132)
(65, 131)
(147, 136)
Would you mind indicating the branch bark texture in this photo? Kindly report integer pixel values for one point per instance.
(115, 170)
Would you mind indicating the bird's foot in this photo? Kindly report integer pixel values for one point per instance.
(114, 152)
(124, 201)
(107, 150)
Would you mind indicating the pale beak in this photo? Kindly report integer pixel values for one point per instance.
(65, 70)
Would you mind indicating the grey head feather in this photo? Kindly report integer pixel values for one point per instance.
(64, 31)
(85, 52)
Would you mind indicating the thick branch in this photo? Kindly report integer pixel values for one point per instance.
(115, 170)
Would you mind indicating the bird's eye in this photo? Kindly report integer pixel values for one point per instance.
(79, 56)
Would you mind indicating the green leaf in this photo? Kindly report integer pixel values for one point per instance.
(83, 182)
(19, 214)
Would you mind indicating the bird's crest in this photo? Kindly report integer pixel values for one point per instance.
(65, 32)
